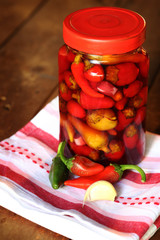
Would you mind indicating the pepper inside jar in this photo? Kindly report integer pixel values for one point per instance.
(103, 86)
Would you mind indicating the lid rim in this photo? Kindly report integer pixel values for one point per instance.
(88, 43)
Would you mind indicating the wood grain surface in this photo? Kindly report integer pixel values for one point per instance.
(31, 34)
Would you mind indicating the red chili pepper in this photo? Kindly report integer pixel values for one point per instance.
(144, 67)
(117, 151)
(125, 117)
(140, 115)
(107, 88)
(112, 173)
(70, 81)
(64, 91)
(130, 136)
(85, 150)
(89, 102)
(77, 68)
(122, 74)
(140, 99)
(75, 109)
(121, 103)
(93, 85)
(61, 77)
(112, 132)
(63, 62)
(118, 96)
(132, 89)
(79, 165)
(93, 72)
(71, 56)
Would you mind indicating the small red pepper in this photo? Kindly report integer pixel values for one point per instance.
(61, 77)
(117, 151)
(70, 56)
(89, 102)
(63, 59)
(125, 117)
(140, 99)
(130, 136)
(122, 74)
(112, 132)
(70, 81)
(77, 68)
(118, 96)
(93, 85)
(93, 72)
(75, 109)
(144, 67)
(85, 150)
(140, 115)
(64, 91)
(132, 89)
(121, 103)
(112, 173)
(79, 165)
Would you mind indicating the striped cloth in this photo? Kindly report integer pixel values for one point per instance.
(25, 160)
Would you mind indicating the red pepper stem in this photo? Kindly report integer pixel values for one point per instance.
(67, 161)
(121, 168)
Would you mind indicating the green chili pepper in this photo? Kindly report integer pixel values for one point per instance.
(58, 172)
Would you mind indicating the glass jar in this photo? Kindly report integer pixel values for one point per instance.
(103, 72)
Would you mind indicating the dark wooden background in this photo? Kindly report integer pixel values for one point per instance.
(30, 36)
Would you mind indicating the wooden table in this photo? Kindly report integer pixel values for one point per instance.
(31, 34)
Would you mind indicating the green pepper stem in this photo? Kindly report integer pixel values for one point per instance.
(135, 167)
(67, 161)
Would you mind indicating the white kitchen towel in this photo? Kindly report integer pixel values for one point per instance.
(25, 160)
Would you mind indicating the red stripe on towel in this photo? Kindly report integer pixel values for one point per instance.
(31, 130)
(151, 178)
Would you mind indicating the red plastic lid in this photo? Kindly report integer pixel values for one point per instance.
(104, 30)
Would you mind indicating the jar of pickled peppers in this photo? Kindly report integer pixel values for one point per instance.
(103, 72)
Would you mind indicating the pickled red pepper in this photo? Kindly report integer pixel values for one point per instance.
(112, 173)
(75, 109)
(122, 74)
(77, 68)
(93, 72)
(63, 59)
(85, 151)
(117, 151)
(70, 81)
(79, 165)
(88, 102)
(64, 91)
(131, 136)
